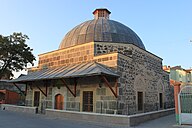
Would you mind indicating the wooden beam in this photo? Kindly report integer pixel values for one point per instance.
(19, 89)
(110, 87)
(26, 89)
(75, 86)
(73, 93)
(46, 89)
(116, 85)
(44, 93)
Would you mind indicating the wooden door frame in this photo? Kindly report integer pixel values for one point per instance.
(34, 99)
(83, 101)
(55, 104)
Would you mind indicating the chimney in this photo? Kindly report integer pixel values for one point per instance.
(101, 13)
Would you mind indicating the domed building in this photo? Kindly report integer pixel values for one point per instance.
(101, 66)
(101, 29)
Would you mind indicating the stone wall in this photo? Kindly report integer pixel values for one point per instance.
(108, 119)
(140, 71)
(109, 59)
(127, 93)
(74, 55)
(73, 103)
(44, 102)
(169, 91)
(49, 102)
(29, 96)
(63, 57)
(15, 108)
(104, 101)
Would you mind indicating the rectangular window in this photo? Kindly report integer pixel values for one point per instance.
(140, 100)
(88, 101)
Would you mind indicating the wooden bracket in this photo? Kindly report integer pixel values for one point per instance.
(73, 93)
(26, 89)
(116, 86)
(75, 86)
(19, 89)
(110, 87)
(44, 93)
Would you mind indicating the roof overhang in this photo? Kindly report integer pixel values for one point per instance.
(70, 71)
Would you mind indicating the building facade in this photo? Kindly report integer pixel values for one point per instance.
(177, 73)
(101, 66)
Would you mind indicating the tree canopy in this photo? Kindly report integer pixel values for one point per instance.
(15, 54)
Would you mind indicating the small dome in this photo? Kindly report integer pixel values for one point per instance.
(101, 29)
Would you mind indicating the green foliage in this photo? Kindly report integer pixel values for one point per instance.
(14, 53)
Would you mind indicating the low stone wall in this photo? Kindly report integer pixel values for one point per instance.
(143, 117)
(16, 108)
(131, 120)
(90, 117)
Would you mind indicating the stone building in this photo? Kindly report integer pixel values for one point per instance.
(101, 66)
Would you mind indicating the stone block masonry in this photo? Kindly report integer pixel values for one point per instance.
(140, 71)
(107, 119)
(15, 108)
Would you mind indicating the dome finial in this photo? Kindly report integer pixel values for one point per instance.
(101, 13)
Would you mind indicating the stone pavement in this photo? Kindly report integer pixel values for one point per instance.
(163, 122)
(22, 120)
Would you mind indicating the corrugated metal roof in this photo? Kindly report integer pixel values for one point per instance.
(71, 71)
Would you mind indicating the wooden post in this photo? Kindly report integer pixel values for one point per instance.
(26, 89)
(75, 86)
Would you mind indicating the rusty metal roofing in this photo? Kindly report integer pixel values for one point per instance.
(71, 71)
(101, 30)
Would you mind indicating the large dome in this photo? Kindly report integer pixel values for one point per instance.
(101, 29)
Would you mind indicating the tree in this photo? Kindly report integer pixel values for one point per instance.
(15, 54)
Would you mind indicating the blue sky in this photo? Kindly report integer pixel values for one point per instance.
(165, 26)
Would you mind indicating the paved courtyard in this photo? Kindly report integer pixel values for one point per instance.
(22, 120)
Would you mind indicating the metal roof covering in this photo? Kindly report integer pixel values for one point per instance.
(71, 71)
(101, 30)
